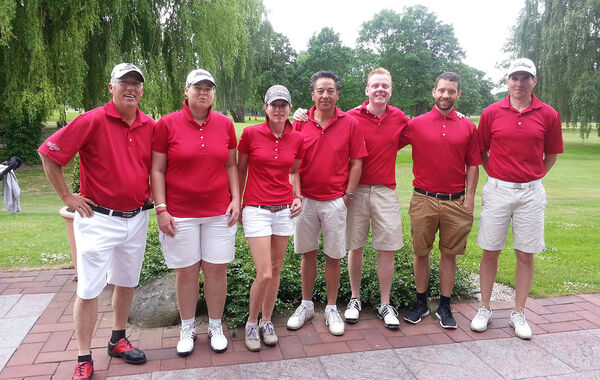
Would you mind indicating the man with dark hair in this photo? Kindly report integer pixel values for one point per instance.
(329, 173)
(445, 166)
(111, 221)
(520, 139)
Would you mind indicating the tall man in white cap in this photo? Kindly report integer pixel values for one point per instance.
(111, 221)
(520, 138)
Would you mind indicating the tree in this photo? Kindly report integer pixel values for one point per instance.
(59, 51)
(414, 46)
(326, 52)
(476, 90)
(41, 44)
(563, 39)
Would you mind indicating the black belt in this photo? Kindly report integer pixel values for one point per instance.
(441, 196)
(122, 214)
(272, 208)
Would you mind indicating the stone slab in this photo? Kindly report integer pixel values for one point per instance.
(451, 361)
(514, 358)
(360, 365)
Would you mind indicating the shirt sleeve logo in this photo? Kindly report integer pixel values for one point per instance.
(52, 146)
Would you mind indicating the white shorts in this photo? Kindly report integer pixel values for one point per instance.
(110, 249)
(326, 217)
(259, 222)
(375, 205)
(209, 239)
(502, 202)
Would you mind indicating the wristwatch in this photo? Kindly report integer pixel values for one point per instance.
(350, 195)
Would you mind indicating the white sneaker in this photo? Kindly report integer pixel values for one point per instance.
(218, 341)
(334, 321)
(268, 333)
(187, 336)
(252, 338)
(519, 323)
(481, 321)
(299, 318)
(389, 315)
(353, 310)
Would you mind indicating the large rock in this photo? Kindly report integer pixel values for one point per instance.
(155, 303)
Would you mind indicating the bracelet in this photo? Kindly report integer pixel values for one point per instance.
(297, 197)
(161, 205)
(158, 212)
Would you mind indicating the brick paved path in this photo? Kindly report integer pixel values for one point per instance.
(48, 349)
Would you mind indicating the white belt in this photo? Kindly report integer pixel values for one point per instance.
(515, 185)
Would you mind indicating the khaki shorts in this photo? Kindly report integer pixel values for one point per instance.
(500, 204)
(326, 217)
(428, 215)
(377, 206)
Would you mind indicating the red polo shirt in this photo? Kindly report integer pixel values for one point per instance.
(328, 149)
(442, 147)
(517, 140)
(269, 161)
(381, 138)
(114, 158)
(197, 184)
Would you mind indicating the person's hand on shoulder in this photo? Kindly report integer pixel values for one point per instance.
(301, 114)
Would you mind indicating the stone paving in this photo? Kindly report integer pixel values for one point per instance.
(38, 342)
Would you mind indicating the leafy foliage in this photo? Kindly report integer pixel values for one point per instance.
(563, 38)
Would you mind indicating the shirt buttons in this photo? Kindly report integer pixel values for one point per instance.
(443, 134)
(443, 126)
(276, 149)
(201, 137)
(200, 129)
(202, 145)
(277, 141)
(130, 140)
(520, 123)
(275, 157)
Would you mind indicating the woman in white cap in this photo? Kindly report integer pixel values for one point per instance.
(269, 155)
(196, 188)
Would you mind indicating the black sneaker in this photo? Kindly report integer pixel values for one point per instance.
(444, 313)
(418, 310)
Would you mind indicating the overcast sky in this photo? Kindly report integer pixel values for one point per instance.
(481, 26)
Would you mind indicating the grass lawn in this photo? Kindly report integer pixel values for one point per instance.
(36, 237)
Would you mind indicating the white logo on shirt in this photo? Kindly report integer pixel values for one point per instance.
(52, 146)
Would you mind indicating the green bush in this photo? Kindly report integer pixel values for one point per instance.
(22, 137)
(154, 264)
(241, 273)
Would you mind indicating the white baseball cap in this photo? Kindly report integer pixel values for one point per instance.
(199, 75)
(121, 69)
(521, 64)
(277, 92)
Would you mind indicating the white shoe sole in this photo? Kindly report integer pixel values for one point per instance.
(441, 324)
(419, 320)
(519, 336)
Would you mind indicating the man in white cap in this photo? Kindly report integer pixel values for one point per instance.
(520, 138)
(114, 144)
